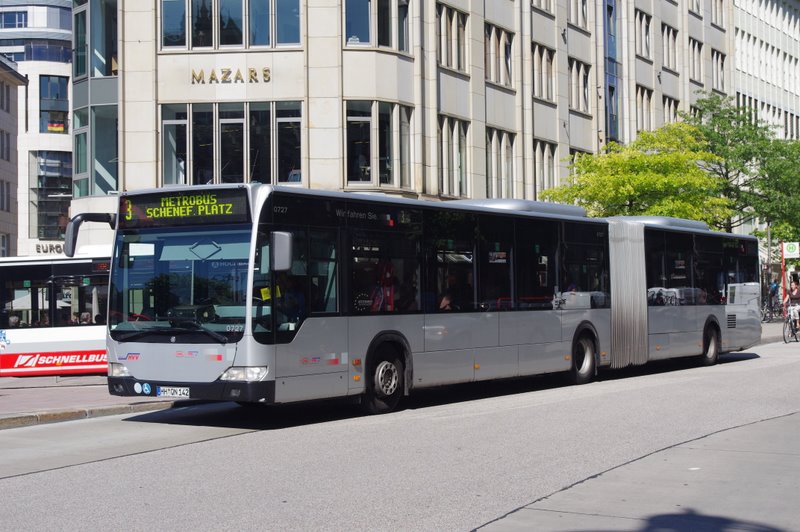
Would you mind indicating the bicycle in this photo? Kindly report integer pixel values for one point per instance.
(770, 309)
(790, 329)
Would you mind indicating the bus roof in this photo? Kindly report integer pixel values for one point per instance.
(677, 224)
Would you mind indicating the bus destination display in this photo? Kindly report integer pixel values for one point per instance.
(184, 208)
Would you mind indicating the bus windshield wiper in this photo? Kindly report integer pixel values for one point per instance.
(178, 327)
(189, 324)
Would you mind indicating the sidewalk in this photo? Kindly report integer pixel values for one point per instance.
(32, 400)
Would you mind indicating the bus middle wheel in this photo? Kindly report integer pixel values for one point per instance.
(583, 360)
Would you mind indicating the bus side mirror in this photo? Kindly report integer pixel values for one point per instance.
(281, 251)
(71, 236)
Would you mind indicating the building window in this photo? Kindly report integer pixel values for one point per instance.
(388, 19)
(5, 196)
(717, 70)
(578, 86)
(211, 147)
(5, 145)
(453, 156)
(643, 34)
(53, 104)
(229, 23)
(644, 108)
(13, 19)
(696, 8)
(378, 143)
(5, 245)
(544, 5)
(50, 193)
(577, 13)
(670, 110)
(103, 45)
(104, 149)
(544, 164)
(499, 163)
(695, 60)
(669, 48)
(543, 72)
(718, 13)
(498, 51)
(81, 49)
(452, 50)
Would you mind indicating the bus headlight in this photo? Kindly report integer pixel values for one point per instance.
(245, 373)
(118, 370)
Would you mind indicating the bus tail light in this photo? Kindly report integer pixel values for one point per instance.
(245, 373)
(118, 370)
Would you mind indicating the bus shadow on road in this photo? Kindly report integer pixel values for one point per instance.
(276, 417)
(689, 519)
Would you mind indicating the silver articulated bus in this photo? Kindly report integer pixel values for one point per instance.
(268, 294)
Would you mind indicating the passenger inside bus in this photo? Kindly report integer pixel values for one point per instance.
(457, 294)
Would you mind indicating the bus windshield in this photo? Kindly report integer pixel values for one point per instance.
(186, 282)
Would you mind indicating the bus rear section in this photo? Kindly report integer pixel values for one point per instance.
(681, 290)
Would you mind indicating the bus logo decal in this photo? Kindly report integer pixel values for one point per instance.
(129, 356)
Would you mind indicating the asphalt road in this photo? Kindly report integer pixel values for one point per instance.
(455, 459)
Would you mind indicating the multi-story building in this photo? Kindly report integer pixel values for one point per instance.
(37, 36)
(10, 79)
(439, 100)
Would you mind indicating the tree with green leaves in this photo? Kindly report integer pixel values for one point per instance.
(660, 173)
(742, 144)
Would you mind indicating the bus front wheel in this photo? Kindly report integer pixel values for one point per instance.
(583, 360)
(384, 385)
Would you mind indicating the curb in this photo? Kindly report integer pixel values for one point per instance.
(54, 416)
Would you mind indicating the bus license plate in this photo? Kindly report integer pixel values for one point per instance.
(171, 391)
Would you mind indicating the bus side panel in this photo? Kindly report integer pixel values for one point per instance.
(308, 387)
(496, 362)
(535, 327)
(446, 331)
(538, 335)
(444, 367)
(319, 347)
(677, 323)
(535, 359)
(452, 342)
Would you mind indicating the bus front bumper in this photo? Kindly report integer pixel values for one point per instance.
(248, 392)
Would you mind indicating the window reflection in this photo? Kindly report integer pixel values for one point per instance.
(202, 26)
(259, 22)
(173, 13)
(288, 21)
(230, 22)
(289, 142)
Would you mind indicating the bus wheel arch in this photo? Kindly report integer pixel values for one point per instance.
(712, 342)
(387, 373)
(584, 354)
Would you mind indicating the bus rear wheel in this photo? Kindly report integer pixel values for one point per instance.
(583, 360)
(710, 354)
(384, 384)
